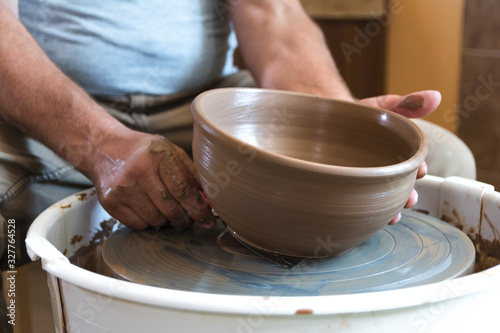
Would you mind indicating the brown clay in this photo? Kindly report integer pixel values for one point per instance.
(412, 103)
(89, 256)
(301, 175)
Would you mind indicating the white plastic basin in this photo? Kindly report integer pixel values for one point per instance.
(84, 301)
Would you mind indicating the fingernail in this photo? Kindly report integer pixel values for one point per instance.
(422, 170)
(412, 103)
(396, 219)
(425, 167)
(201, 201)
(162, 222)
(208, 222)
(163, 194)
(204, 198)
(412, 201)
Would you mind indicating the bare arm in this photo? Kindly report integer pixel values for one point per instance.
(37, 98)
(284, 49)
(141, 179)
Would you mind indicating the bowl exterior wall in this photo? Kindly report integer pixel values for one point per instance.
(290, 211)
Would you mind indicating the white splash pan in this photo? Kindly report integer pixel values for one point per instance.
(87, 302)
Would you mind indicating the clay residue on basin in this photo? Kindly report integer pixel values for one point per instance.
(304, 312)
(89, 256)
(81, 196)
(75, 239)
(487, 251)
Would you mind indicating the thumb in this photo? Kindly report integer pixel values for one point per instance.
(414, 105)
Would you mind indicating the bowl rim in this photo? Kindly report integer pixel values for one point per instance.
(409, 165)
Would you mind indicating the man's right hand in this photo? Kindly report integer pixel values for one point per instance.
(142, 179)
(145, 180)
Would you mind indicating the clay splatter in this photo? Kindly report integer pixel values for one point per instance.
(89, 256)
(76, 239)
(487, 251)
(81, 196)
(304, 312)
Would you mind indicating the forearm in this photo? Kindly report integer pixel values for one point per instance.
(284, 49)
(39, 99)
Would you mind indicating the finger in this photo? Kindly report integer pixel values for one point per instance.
(132, 208)
(191, 204)
(182, 187)
(123, 213)
(170, 208)
(145, 209)
(128, 217)
(412, 201)
(422, 170)
(415, 105)
(201, 202)
(396, 219)
(189, 165)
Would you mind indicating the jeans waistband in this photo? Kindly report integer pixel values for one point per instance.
(147, 103)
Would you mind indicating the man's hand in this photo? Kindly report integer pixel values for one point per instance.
(416, 105)
(144, 180)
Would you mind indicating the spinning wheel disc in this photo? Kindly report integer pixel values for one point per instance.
(418, 250)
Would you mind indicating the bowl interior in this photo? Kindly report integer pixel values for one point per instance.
(313, 129)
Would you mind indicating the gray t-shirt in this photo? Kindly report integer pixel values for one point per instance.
(115, 47)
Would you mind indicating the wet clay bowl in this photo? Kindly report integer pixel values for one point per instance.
(301, 175)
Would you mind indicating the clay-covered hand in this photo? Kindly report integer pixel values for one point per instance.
(415, 105)
(145, 180)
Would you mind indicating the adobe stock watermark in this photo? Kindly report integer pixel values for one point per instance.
(89, 308)
(372, 29)
(425, 316)
(420, 319)
(11, 274)
(265, 306)
(296, 278)
(483, 90)
(263, 135)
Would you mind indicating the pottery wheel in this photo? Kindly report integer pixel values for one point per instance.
(418, 250)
